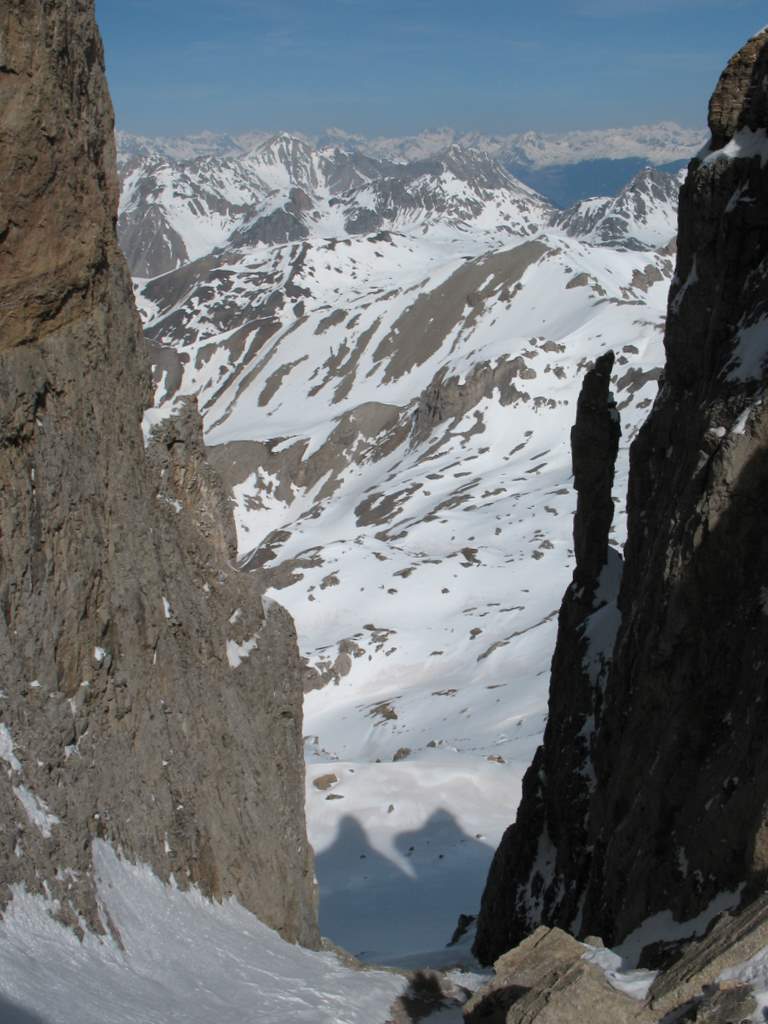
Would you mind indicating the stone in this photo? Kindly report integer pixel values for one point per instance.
(167, 713)
(726, 1003)
(546, 981)
(733, 939)
(525, 883)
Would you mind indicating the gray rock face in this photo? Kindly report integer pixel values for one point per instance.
(550, 978)
(546, 981)
(549, 835)
(148, 698)
(674, 792)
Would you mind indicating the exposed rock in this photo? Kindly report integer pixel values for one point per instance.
(729, 1003)
(546, 981)
(676, 811)
(739, 101)
(732, 940)
(50, 256)
(148, 697)
(463, 925)
(548, 836)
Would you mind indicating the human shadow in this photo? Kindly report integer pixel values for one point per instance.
(12, 1013)
(383, 908)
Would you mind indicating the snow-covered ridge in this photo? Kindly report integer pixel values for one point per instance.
(284, 190)
(642, 216)
(658, 143)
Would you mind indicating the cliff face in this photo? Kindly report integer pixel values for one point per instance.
(148, 696)
(665, 767)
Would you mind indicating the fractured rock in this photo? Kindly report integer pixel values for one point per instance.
(151, 699)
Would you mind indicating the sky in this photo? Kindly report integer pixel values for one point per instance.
(396, 67)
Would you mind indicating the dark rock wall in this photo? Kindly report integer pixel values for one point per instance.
(672, 807)
(148, 697)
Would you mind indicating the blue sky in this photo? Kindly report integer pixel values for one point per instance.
(399, 66)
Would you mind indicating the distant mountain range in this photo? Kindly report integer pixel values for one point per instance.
(565, 168)
(287, 190)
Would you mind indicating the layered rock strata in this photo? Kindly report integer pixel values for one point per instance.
(666, 772)
(149, 697)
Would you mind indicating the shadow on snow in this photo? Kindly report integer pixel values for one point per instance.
(384, 909)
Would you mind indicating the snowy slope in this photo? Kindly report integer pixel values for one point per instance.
(391, 412)
(642, 216)
(285, 190)
(179, 958)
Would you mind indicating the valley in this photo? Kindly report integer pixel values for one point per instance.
(387, 395)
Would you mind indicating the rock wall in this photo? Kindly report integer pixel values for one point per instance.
(666, 771)
(149, 696)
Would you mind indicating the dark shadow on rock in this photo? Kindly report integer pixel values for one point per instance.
(11, 1013)
(493, 1008)
(371, 904)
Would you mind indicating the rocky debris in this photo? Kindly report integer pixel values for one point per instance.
(732, 939)
(550, 978)
(150, 698)
(545, 980)
(326, 782)
(550, 821)
(726, 1003)
(684, 700)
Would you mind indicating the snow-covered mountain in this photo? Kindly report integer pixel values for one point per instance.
(642, 216)
(285, 190)
(173, 212)
(657, 143)
(389, 402)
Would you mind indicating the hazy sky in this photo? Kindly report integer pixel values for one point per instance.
(399, 66)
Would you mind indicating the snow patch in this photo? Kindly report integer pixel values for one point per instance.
(155, 416)
(6, 750)
(238, 653)
(36, 811)
(750, 352)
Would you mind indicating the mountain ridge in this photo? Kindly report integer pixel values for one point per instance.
(658, 143)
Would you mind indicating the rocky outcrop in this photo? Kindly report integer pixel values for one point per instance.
(549, 834)
(670, 808)
(550, 978)
(149, 697)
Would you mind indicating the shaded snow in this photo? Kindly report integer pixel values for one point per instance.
(184, 959)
